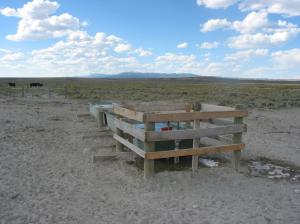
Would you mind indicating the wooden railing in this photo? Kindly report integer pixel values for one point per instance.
(222, 120)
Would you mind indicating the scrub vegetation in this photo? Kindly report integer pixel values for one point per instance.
(231, 92)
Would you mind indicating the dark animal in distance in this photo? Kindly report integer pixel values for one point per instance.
(35, 84)
(12, 84)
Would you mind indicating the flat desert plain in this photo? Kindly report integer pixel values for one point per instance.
(47, 175)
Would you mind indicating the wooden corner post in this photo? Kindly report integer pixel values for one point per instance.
(196, 141)
(149, 147)
(237, 138)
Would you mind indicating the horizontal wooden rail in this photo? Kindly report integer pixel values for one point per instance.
(129, 145)
(188, 116)
(131, 114)
(191, 152)
(210, 107)
(194, 133)
(130, 129)
(162, 106)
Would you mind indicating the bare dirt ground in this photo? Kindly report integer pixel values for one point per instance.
(46, 175)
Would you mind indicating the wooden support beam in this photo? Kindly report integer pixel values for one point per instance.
(196, 144)
(188, 116)
(131, 114)
(149, 147)
(191, 152)
(130, 129)
(237, 138)
(119, 145)
(194, 133)
(129, 145)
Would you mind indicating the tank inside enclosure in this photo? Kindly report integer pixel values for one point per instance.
(167, 145)
(159, 127)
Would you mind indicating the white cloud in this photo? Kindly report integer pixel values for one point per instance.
(214, 4)
(283, 7)
(214, 24)
(182, 45)
(262, 39)
(82, 53)
(288, 58)
(209, 45)
(251, 23)
(121, 48)
(36, 23)
(142, 52)
(245, 55)
(10, 56)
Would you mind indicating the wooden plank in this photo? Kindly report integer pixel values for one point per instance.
(194, 133)
(210, 107)
(191, 152)
(130, 129)
(129, 145)
(160, 106)
(149, 147)
(131, 114)
(188, 116)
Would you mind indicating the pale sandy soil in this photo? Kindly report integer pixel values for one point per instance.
(46, 175)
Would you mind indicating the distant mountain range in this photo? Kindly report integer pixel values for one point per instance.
(141, 75)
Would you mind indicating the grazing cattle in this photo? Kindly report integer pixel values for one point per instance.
(12, 84)
(35, 84)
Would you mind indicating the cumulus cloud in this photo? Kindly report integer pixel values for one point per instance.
(263, 39)
(255, 30)
(209, 45)
(288, 58)
(10, 56)
(82, 53)
(182, 45)
(245, 55)
(123, 47)
(214, 24)
(142, 52)
(287, 8)
(36, 21)
(252, 22)
(214, 4)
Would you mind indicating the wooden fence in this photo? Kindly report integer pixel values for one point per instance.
(222, 120)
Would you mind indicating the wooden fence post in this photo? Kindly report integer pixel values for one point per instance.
(196, 141)
(149, 147)
(237, 138)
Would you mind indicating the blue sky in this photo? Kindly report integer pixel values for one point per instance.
(231, 38)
